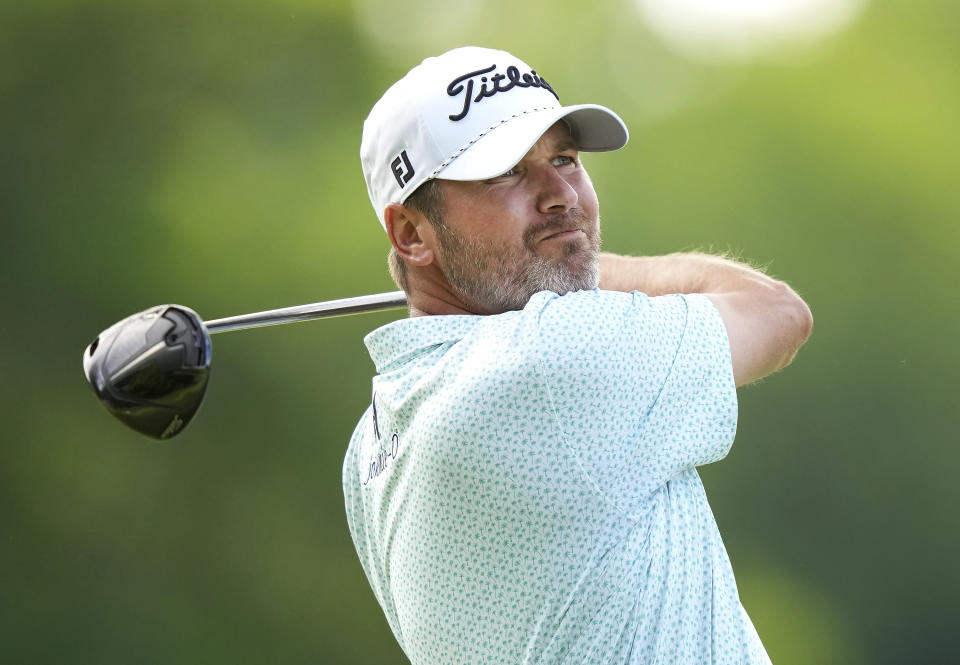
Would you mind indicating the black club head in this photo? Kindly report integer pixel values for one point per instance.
(150, 370)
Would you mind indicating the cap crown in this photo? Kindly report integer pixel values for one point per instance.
(431, 116)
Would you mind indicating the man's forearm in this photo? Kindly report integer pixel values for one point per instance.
(676, 273)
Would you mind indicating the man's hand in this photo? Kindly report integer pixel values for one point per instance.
(766, 321)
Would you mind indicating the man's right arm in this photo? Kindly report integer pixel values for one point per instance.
(766, 321)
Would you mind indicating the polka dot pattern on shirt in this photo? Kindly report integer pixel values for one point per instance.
(523, 487)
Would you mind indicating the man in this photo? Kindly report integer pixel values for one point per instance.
(522, 487)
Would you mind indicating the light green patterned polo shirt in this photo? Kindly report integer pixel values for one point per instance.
(523, 489)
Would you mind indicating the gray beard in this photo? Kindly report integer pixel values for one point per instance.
(502, 279)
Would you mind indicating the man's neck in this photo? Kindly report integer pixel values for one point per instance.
(429, 294)
(423, 303)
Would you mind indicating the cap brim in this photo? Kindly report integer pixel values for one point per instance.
(594, 129)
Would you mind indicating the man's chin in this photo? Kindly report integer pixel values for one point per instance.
(571, 276)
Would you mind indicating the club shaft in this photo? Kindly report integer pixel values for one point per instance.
(317, 310)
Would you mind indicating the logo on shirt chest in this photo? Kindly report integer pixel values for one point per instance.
(385, 452)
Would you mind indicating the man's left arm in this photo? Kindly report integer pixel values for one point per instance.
(766, 321)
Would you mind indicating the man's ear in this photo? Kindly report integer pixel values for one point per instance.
(411, 234)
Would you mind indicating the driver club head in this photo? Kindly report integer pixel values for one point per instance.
(150, 370)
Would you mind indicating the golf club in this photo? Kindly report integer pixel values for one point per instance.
(150, 370)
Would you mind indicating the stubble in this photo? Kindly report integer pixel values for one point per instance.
(501, 277)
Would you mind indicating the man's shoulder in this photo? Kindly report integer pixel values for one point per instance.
(558, 325)
(597, 304)
(598, 315)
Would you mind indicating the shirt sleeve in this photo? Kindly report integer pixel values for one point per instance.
(641, 388)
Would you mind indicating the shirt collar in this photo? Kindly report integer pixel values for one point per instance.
(399, 341)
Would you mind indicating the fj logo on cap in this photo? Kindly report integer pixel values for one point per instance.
(403, 175)
(492, 85)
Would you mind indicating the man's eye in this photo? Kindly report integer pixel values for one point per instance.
(506, 174)
(563, 160)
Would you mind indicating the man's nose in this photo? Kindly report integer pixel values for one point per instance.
(554, 193)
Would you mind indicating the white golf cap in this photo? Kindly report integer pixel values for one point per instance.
(469, 114)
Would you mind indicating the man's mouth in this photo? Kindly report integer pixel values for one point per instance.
(563, 234)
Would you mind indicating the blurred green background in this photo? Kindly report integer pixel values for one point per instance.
(206, 154)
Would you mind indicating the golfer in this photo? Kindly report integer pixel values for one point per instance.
(523, 488)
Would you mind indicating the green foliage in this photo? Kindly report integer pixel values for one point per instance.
(207, 154)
